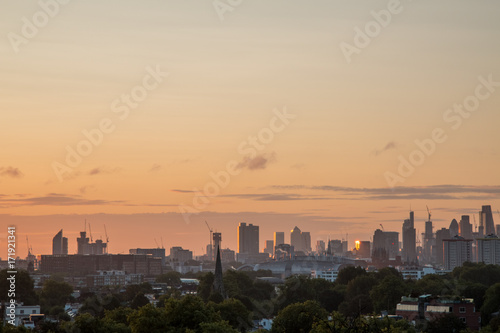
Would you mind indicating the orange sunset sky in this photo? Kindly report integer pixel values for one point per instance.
(172, 92)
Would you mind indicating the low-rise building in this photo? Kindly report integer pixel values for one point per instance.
(429, 308)
(18, 314)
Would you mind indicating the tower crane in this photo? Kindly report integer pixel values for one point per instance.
(382, 227)
(211, 246)
(428, 212)
(106, 233)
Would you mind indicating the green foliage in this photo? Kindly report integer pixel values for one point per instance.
(387, 293)
(54, 293)
(149, 319)
(24, 287)
(357, 299)
(217, 327)
(448, 323)
(349, 273)
(491, 302)
(478, 273)
(299, 317)
(235, 313)
(139, 301)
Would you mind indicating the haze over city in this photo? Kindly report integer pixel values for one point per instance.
(277, 114)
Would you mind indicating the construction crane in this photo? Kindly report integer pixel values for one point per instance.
(382, 227)
(90, 231)
(428, 212)
(106, 233)
(156, 244)
(30, 249)
(162, 242)
(211, 231)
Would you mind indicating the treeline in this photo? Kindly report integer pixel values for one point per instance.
(301, 304)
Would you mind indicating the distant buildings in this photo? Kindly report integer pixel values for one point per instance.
(465, 227)
(179, 255)
(248, 238)
(279, 238)
(488, 250)
(486, 221)
(155, 252)
(409, 253)
(441, 235)
(301, 241)
(388, 241)
(59, 244)
(457, 250)
(87, 247)
(269, 247)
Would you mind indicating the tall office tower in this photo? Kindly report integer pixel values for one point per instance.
(306, 240)
(364, 249)
(498, 229)
(217, 243)
(441, 235)
(457, 250)
(488, 250)
(486, 220)
(454, 229)
(409, 240)
(279, 238)
(465, 227)
(59, 244)
(387, 240)
(296, 240)
(248, 238)
(269, 247)
(320, 247)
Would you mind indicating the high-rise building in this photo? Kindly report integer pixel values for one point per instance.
(441, 235)
(248, 238)
(388, 241)
(409, 239)
(488, 250)
(457, 250)
(279, 238)
(320, 247)
(486, 220)
(296, 239)
(59, 244)
(465, 227)
(85, 247)
(364, 249)
(269, 247)
(180, 255)
(454, 228)
(306, 236)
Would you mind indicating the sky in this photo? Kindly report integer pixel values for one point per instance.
(152, 117)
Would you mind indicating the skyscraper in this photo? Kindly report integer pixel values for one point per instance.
(279, 238)
(59, 244)
(486, 220)
(465, 227)
(306, 239)
(388, 241)
(488, 250)
(409, 239)
(296, 239)
(457, 250)
(248, 238)
(441, 235)
(454, 228)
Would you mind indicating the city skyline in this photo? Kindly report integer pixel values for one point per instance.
(278, 114)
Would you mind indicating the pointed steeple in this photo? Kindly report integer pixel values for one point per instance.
(218, 282)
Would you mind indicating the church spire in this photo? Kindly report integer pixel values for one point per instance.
(218, 282)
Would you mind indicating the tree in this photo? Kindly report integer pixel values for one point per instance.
(217, 327)
(24, 287)
(349, 273)
(387, 294)
(491, 302)
(448, 323)
(54, 293)
(298, 318)
(189, 312)
(357, 299)
(149, 319)
(171, 278)
(235, 313)
(139, 301)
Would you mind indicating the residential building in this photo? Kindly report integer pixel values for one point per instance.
(457, 250)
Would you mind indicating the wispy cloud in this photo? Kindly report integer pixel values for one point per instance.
(182, 191)
(155, 168)
(103, 170)
(11, 172)
(390, 145)
(258, 162)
